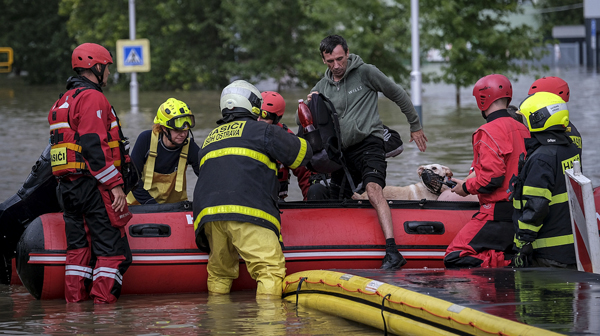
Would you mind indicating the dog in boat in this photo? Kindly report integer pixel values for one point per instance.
(430, 187)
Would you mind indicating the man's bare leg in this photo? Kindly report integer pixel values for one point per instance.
(393, 259)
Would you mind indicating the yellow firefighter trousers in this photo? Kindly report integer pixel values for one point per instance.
(258, 246)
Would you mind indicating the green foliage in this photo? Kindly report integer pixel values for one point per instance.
(559, 13)
(280, 39)
(378, 31)
(39, 39)
(482, 39)
(205, 43)
(269, 38)
(185, 44)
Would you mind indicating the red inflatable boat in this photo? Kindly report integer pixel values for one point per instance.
(323, 235)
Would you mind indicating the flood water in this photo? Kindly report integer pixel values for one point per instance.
(558, 300)
(24, 135)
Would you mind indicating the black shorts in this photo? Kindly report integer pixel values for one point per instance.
(366, 163)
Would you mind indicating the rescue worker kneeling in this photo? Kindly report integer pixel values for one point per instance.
(542, 221)
(235, 200)
(164, 153)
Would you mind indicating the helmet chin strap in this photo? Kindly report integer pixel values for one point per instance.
(100, 75)
(168, 135)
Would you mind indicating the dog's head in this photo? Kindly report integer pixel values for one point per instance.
(433, 176)
(437, 169)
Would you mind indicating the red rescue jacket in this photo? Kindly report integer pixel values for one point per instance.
(84, 134)
(496, 148)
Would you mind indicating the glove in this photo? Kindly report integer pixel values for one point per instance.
(524, 256)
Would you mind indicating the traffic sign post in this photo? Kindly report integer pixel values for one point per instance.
(133, 56)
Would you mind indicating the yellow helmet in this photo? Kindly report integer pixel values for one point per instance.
(175, 114)
(544, 111)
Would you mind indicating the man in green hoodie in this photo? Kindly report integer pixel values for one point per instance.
(353, 87)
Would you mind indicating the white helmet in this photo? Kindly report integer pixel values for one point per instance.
(241, 96)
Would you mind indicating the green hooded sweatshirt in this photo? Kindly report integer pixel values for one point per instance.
(355, 99)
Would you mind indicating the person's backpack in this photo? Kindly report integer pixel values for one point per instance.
(324, 140)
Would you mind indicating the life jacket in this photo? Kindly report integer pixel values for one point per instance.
(164, 188)
(65, 152)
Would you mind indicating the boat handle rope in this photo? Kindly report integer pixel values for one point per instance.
(383, 317)
(298, 290)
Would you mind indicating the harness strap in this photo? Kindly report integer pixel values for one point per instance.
(69, 165)
(336, 126)
(150, 162)
(70, 146)
(80, 90)
(181, 167)
(115, 144)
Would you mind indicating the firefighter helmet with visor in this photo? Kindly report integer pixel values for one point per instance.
(545, 111)
(175, 114)
(239, 97)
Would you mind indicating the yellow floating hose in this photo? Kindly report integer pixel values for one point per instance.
(405, 312)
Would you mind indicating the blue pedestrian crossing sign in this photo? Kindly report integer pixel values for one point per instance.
(133, 55)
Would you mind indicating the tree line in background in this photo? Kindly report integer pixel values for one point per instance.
(203, 44)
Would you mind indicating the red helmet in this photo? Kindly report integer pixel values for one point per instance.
(551, 84)
(491, 88)
(273, 104)
(89, 54)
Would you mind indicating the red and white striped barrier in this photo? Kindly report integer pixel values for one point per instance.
(584, 220)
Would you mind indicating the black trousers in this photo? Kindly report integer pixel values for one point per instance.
(81, 199)
(366, 163)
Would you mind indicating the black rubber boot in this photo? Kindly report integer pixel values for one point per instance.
(392, 261)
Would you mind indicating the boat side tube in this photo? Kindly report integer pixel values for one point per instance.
(32, 275)
(37, 196)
